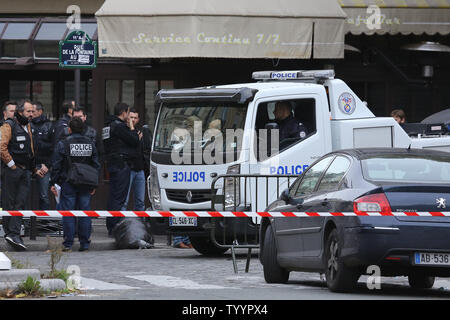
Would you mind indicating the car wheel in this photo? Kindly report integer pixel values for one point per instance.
(206, 247)
(420, 281)
(273, 272)
(340, 278)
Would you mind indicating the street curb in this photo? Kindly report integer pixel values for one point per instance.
(18, 275)
(42, 245)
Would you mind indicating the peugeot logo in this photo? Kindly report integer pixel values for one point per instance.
(189, 197)
(441, 203)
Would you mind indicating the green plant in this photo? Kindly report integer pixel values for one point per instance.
(58, 274)
(30, 287)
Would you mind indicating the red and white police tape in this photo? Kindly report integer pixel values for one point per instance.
(209, 214)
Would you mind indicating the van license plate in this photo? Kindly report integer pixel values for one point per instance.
(183, 221)
(430, 258)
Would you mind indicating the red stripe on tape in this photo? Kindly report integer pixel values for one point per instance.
(337, 214)
(312, 214)
(288, 214)
(240, 214)
(166, 214)
(190, 214)
(116, 213)
(411, 214)
(141, 214)
(16, 213)
(66, 213)
(437, 214)
(91, 214)
(215, 214)
(264, 214)
(41, 213)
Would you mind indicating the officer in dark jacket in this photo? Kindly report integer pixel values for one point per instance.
(120, 139)
(289, 127)
(42, 133)
(76, 148)
(61, 127)
(90, 132)
(17, 153)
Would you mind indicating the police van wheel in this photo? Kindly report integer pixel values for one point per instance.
(206, 247)
(273, 272)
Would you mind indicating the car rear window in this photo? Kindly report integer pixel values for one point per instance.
(405, 168)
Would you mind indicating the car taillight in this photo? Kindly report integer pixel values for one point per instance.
(372, 203)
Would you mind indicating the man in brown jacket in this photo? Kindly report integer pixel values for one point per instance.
(17, 153)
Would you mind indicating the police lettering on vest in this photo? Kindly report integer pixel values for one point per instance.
(80, 150)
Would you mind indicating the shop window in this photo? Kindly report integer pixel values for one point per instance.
(19, 89)
(85, 94)
(15, 39)
(42, 91)
(46, 42)
(89, 29)
(118, 91)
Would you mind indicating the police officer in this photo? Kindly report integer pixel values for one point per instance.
(9, 107)
(289, 127)
(90, 132)
(61, 127)
(42, 132)
(17, 153)
(78, 149)
(120, 139)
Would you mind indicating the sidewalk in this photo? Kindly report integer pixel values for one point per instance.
(99, 240)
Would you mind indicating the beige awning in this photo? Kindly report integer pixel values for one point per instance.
(397, 17)
(221, 29)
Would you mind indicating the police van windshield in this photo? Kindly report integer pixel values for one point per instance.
(195, 125)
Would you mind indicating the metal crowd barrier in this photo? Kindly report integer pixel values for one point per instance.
(242, 233)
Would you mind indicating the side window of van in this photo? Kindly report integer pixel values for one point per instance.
(282, 123)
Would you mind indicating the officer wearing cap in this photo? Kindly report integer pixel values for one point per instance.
(120, 139)
(289, 127)
(75, 151)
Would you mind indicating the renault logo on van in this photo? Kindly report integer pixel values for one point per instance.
(441, 203)
(189, 196)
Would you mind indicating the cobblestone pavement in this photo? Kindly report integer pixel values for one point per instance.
(167, 273)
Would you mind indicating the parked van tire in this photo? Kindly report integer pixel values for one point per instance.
(273, 272)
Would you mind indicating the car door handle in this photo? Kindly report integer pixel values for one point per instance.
(324, 202)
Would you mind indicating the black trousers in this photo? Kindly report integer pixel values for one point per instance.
(119, 181)
(16, 186)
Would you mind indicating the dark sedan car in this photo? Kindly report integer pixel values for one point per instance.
(363, 181)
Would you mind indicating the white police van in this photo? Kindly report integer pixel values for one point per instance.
(203, 133)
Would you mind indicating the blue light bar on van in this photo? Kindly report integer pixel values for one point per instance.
(293, 75)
